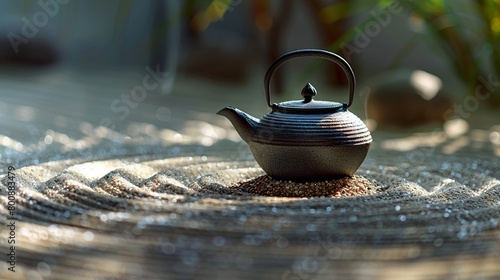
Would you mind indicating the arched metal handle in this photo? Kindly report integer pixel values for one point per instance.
(311, 53)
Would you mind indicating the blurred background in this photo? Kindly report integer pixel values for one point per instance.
(115, 99)
(70, 69)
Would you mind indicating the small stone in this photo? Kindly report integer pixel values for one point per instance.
(407, 98)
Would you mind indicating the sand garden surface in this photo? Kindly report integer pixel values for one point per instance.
(173, 193)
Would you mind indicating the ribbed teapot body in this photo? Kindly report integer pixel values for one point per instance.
(310, 147)
(341, 128)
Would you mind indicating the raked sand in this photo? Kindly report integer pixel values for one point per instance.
(181, 197)
(217, 216)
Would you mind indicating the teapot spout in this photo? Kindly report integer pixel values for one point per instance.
(244, 124)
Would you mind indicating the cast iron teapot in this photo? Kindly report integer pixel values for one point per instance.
(305, 140)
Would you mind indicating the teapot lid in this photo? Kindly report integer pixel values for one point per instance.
(309, 105)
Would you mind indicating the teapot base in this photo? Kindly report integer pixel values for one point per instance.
(309, 163)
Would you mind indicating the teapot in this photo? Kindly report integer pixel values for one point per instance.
(305, 140)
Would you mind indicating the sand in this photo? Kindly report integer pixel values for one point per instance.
(188, 201)
(336, 188)
(209, 217)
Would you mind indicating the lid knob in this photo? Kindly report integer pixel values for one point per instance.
(308, 92)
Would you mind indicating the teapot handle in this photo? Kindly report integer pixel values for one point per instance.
(312, 53)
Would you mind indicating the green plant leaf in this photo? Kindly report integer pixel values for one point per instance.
(344, 9)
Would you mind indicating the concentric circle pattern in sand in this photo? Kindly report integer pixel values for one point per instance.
(164, 216)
